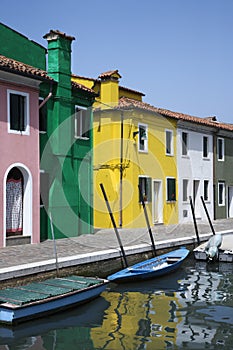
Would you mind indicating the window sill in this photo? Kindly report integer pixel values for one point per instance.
(16, 132)
(206, 159)
(169, 155)
(142, 151)
(82, 138)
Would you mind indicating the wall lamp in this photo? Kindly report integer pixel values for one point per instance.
(142, 132)
(135, 133)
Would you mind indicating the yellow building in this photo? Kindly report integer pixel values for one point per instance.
(134, 145)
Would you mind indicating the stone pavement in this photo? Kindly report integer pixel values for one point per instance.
(27, 259)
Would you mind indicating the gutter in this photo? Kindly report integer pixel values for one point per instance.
(46, 98)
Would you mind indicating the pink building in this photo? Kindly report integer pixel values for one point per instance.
(19, 160)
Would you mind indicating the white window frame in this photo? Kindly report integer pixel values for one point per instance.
(149, 189)
(183, 145)
(171, 147)
(208, 146)
(221, 183)
(26, 113)
(185, 189)
(175, 183)
(206, 182)
(223, 149)
(145, 142)
(81, 123)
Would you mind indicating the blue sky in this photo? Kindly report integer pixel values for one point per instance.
(178, 52)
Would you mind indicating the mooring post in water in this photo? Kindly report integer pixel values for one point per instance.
(54, 243)
(147, 219)
(208, 217)
(194, 219)
(114, 224)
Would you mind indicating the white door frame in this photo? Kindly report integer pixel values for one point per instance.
(27, 200)
(157, 201)
(230, 202)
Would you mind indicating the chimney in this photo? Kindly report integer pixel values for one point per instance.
(59, 60)
(109, 88)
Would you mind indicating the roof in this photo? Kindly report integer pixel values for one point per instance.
(131, 90)
(109, 74)
(128, 103)
(13, 66)
(98, 80)
(61, 34)
(83, 88)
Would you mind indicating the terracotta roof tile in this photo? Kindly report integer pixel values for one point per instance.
(82, 87)
(11, 65)
(127, 103)
(57, 32)
(108, 74)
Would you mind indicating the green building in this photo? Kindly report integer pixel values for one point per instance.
(223, 179)
(66, 147)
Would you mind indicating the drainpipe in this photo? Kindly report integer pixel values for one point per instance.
(121, 171)
(45, 100)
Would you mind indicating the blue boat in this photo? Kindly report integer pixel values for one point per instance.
(37, 299)
(151, 268)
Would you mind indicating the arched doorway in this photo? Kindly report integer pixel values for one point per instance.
(14, 202)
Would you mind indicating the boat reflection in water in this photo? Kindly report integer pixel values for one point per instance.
(191, 308)
(66, 330)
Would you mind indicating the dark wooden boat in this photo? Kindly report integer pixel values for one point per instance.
(151, 268)
(36, 299)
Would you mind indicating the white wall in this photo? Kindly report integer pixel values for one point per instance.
(194, 167)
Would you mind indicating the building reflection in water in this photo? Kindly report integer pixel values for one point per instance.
(152, 318)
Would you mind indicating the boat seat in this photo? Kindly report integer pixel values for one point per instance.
(172, 260)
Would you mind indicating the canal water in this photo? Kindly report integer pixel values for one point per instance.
(190, 309)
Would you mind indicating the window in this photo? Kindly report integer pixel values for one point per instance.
(44, 189)
(206, 190)
(42, 117)
(145, 186)
(18, 112)
(143, 138)
(221, 193)
(220, 149)
(169, 142)
(185, 190)
(171, 189)
(82, 122)
(205, 147)
(184, 143)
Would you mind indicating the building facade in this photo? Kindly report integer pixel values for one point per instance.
(19, 134)
(133, 146)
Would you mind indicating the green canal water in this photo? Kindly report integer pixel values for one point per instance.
(191, 309)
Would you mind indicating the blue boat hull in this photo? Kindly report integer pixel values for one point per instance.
(12, 314)
(152, 268)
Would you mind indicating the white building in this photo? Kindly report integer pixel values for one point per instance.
(195, 169)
